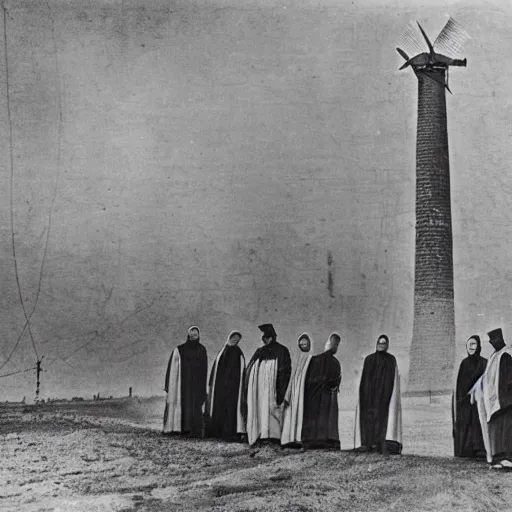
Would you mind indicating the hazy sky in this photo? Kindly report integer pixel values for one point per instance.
(196, 162)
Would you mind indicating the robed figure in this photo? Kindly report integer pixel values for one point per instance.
(185, 384)
(294, 398)
(224, 403)
(323, 378)
(267, 377)
(493, 395)
(378, 420)
(467, 432)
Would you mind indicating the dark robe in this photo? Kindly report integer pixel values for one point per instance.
(272, 351)
(320, 421)
(223, 422)
(467, 432)
(375, 390)
(194, 372)
(500, 425)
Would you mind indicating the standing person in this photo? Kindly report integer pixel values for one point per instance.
(493, 394)
(224, 402)
(294, 398)
(323, 378)
(185, 384)
(378, 424)
(467, 432)
(267, 377)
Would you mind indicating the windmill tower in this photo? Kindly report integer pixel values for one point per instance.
(432, 350)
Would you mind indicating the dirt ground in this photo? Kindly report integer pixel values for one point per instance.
(100, 457)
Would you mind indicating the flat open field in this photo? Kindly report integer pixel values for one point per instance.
(110, 456)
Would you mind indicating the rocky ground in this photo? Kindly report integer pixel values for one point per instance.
(96, 458)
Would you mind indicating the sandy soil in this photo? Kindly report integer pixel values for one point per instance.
(100, 457)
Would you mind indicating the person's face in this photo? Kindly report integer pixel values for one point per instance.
(194, 334)
(266, 339)
(382, 345)
(332, 344)
(304, 344)
(234, 340)
(471, 346)
(496, 344)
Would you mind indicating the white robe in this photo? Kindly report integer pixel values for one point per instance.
(173, 400)
(240, 423)
(485, 393)
(294, 413)
(394, 426)
(264, 416)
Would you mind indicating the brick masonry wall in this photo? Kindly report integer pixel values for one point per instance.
(433, 343)
(432, 352)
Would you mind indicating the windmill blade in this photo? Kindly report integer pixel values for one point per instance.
(402, 53)
(406, 57)
(409, 40)
(430, 47)
(452, 40)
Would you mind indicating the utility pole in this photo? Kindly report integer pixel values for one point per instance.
(38, 372)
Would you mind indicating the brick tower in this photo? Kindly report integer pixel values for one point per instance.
(432, 350)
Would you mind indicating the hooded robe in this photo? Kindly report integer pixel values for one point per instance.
(323, 378)
(185, 384)
(224, 402)
(267, 377)
(378, 421)
(294, 412)
(467, 432)
(493, 395)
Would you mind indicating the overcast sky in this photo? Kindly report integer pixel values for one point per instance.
(196, 162)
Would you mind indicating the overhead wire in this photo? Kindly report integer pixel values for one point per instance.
(48, 230)
(100, 334)
(11, 162)
(19, 371)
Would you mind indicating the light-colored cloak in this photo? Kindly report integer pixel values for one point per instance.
(485, 393)
(294, 413)
(172, 420)
(264, 416)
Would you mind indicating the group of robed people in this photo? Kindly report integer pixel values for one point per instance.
(272, 400)
(265, 401)
(482, 403)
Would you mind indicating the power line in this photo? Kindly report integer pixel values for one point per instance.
(59, 143)
(13, 350)
(58, 164)
(111, 327)
(11, 157)
(19, 371)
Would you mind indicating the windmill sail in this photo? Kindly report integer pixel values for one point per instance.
(427, 40)
(452, 40)
(410, 40)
